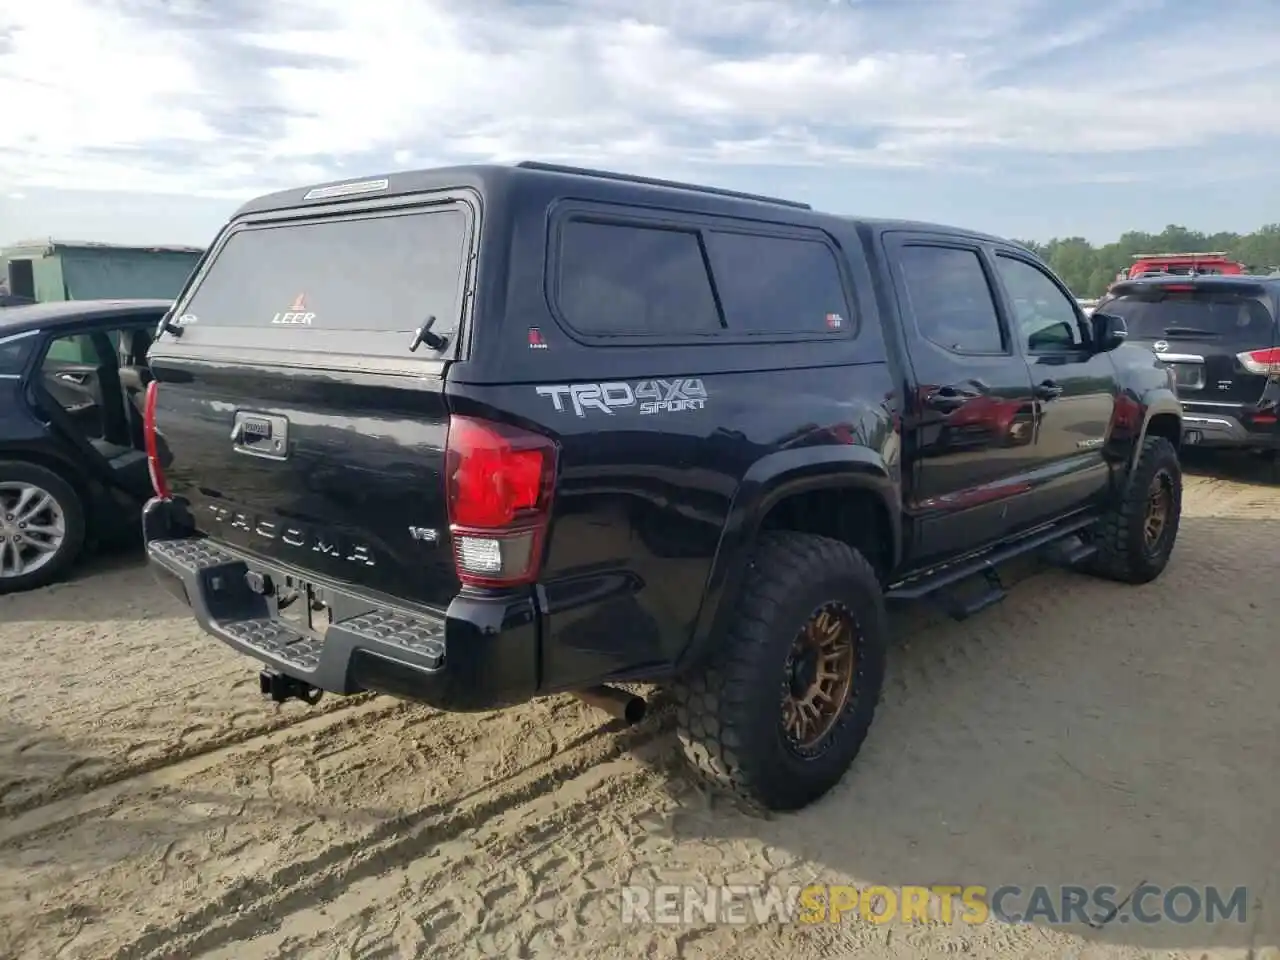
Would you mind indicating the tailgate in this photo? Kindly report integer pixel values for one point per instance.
(297, 422)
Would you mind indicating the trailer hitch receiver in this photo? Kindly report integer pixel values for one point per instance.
(281, 687)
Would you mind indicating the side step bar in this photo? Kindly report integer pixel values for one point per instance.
(1070, 551)
(962, 609)
(1066, 548)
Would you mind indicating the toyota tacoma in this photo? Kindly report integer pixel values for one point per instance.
(475, 435)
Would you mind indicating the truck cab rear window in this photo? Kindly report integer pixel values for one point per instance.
(383, 274)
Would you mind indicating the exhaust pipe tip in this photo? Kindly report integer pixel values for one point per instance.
(619, 704)
(635, 710)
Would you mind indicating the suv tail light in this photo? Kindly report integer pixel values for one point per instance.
(500, 481)
(1264, 363)
(158, 481)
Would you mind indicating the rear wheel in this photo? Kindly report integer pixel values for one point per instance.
(778, 715)
(41, 526)
(1137, 537)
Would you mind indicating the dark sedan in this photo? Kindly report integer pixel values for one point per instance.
(73, 464)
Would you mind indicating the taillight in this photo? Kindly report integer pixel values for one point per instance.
(158, 482)
(1264, 363)
(499, 480)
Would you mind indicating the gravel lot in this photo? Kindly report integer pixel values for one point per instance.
(1081, 732)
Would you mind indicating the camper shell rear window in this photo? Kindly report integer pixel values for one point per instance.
(361, 283)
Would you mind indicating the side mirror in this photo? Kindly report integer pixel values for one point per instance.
(1109, 331)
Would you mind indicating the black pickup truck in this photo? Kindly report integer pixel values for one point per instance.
(475, 435)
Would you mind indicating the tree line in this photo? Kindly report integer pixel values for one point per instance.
(1089, 270)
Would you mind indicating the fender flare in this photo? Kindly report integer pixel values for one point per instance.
(766, 483)
(1156, 402)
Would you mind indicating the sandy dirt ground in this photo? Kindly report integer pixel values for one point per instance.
(1082, 732)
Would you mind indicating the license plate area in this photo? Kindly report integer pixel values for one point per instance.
(303, 606)
(1188, 376)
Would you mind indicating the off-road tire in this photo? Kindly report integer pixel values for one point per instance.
(729, 710)
(72, 507)
(1123, 554)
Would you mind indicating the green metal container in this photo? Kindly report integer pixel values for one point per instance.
(48, 270)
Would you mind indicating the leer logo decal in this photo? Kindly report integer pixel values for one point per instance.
(651, 396)
(297, 315)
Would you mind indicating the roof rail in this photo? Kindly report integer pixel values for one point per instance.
(655, 182)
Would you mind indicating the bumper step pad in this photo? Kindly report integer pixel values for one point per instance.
(215, 581)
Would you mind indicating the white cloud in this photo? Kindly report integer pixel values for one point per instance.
(75, 75)
(161, 97)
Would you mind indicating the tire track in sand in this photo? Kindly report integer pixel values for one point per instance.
(254, 905)
(229, 837)
(108, 678)
(63, 813)
(76, 780)
(516, 884)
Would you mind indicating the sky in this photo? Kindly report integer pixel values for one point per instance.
(149, 121)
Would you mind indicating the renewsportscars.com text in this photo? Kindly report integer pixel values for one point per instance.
(838, 903)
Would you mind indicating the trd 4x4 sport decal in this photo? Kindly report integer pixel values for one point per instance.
(652, 396)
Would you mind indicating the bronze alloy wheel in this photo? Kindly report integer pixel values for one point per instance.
(1159, 507)
(820, 671)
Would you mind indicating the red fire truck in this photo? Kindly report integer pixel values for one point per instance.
(1181, 264)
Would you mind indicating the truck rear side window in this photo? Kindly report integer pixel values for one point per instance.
(382, 274)
(951, 299)
(777, 284)
(626, 279)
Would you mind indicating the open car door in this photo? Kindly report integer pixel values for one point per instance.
(77, 387)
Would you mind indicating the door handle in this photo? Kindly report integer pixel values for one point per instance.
(77, 378)
(950, 398)
(1049, 390)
